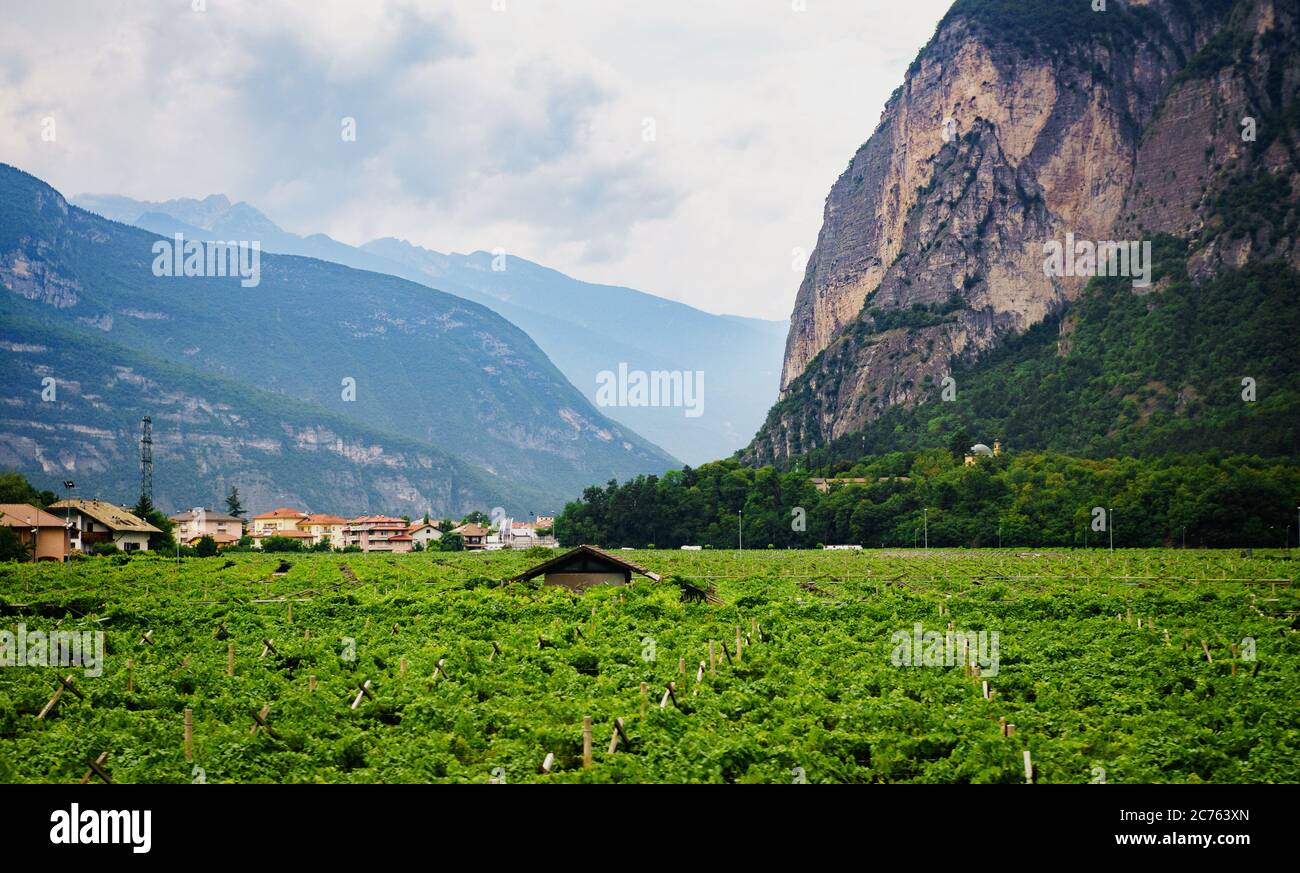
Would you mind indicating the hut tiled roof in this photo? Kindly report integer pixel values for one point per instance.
(591, 550)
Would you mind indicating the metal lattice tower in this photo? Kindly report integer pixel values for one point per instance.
(146, 458)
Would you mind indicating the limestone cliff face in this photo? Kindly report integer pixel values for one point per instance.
(1005, 134)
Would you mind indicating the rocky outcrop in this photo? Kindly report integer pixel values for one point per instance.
(1006, 134)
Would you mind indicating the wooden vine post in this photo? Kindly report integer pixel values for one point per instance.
(189, 735)
(616, 735)
(97, 769)
(586, 742)
(230, 659)
(65, 684)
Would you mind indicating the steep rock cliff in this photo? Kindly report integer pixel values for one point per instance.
(1017, 124)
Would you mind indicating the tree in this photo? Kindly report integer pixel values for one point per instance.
(206, 547)
(477, 517)
(452, 542)
(145, 511)
(233, 506)
(14, 488)
(281, 544)
(11, 547)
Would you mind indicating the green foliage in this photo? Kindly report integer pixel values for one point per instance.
(1018, 498)
(11, 546)
(281, 544)
(206, 547)
(233, 504)
(14, 488)
(817, 687)
(918, 315)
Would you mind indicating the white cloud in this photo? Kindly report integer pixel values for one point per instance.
(477, 128)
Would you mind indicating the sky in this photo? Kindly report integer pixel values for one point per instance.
(681, 148)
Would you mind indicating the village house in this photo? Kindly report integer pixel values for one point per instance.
(378, 533)
(276, 521)
(473, 535)
(260, 537)
(197, 523)
(45, 534)
(424, 532)
(98, 521)
(979, 450)
(324, 528)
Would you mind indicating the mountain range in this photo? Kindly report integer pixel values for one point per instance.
(584, 328)
(330, 387)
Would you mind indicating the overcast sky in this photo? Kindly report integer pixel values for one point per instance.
(681, 148)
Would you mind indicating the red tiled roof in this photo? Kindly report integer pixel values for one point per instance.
(323, 519)
(26, 515)
(282, 512)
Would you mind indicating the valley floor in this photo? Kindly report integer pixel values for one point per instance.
(1137, 666)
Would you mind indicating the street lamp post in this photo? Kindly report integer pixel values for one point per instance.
(1110, 526)
(740, 529)
(925, 513)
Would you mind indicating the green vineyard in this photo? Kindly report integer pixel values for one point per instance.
(1136, 666)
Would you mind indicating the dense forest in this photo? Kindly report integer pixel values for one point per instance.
(1028, 499)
